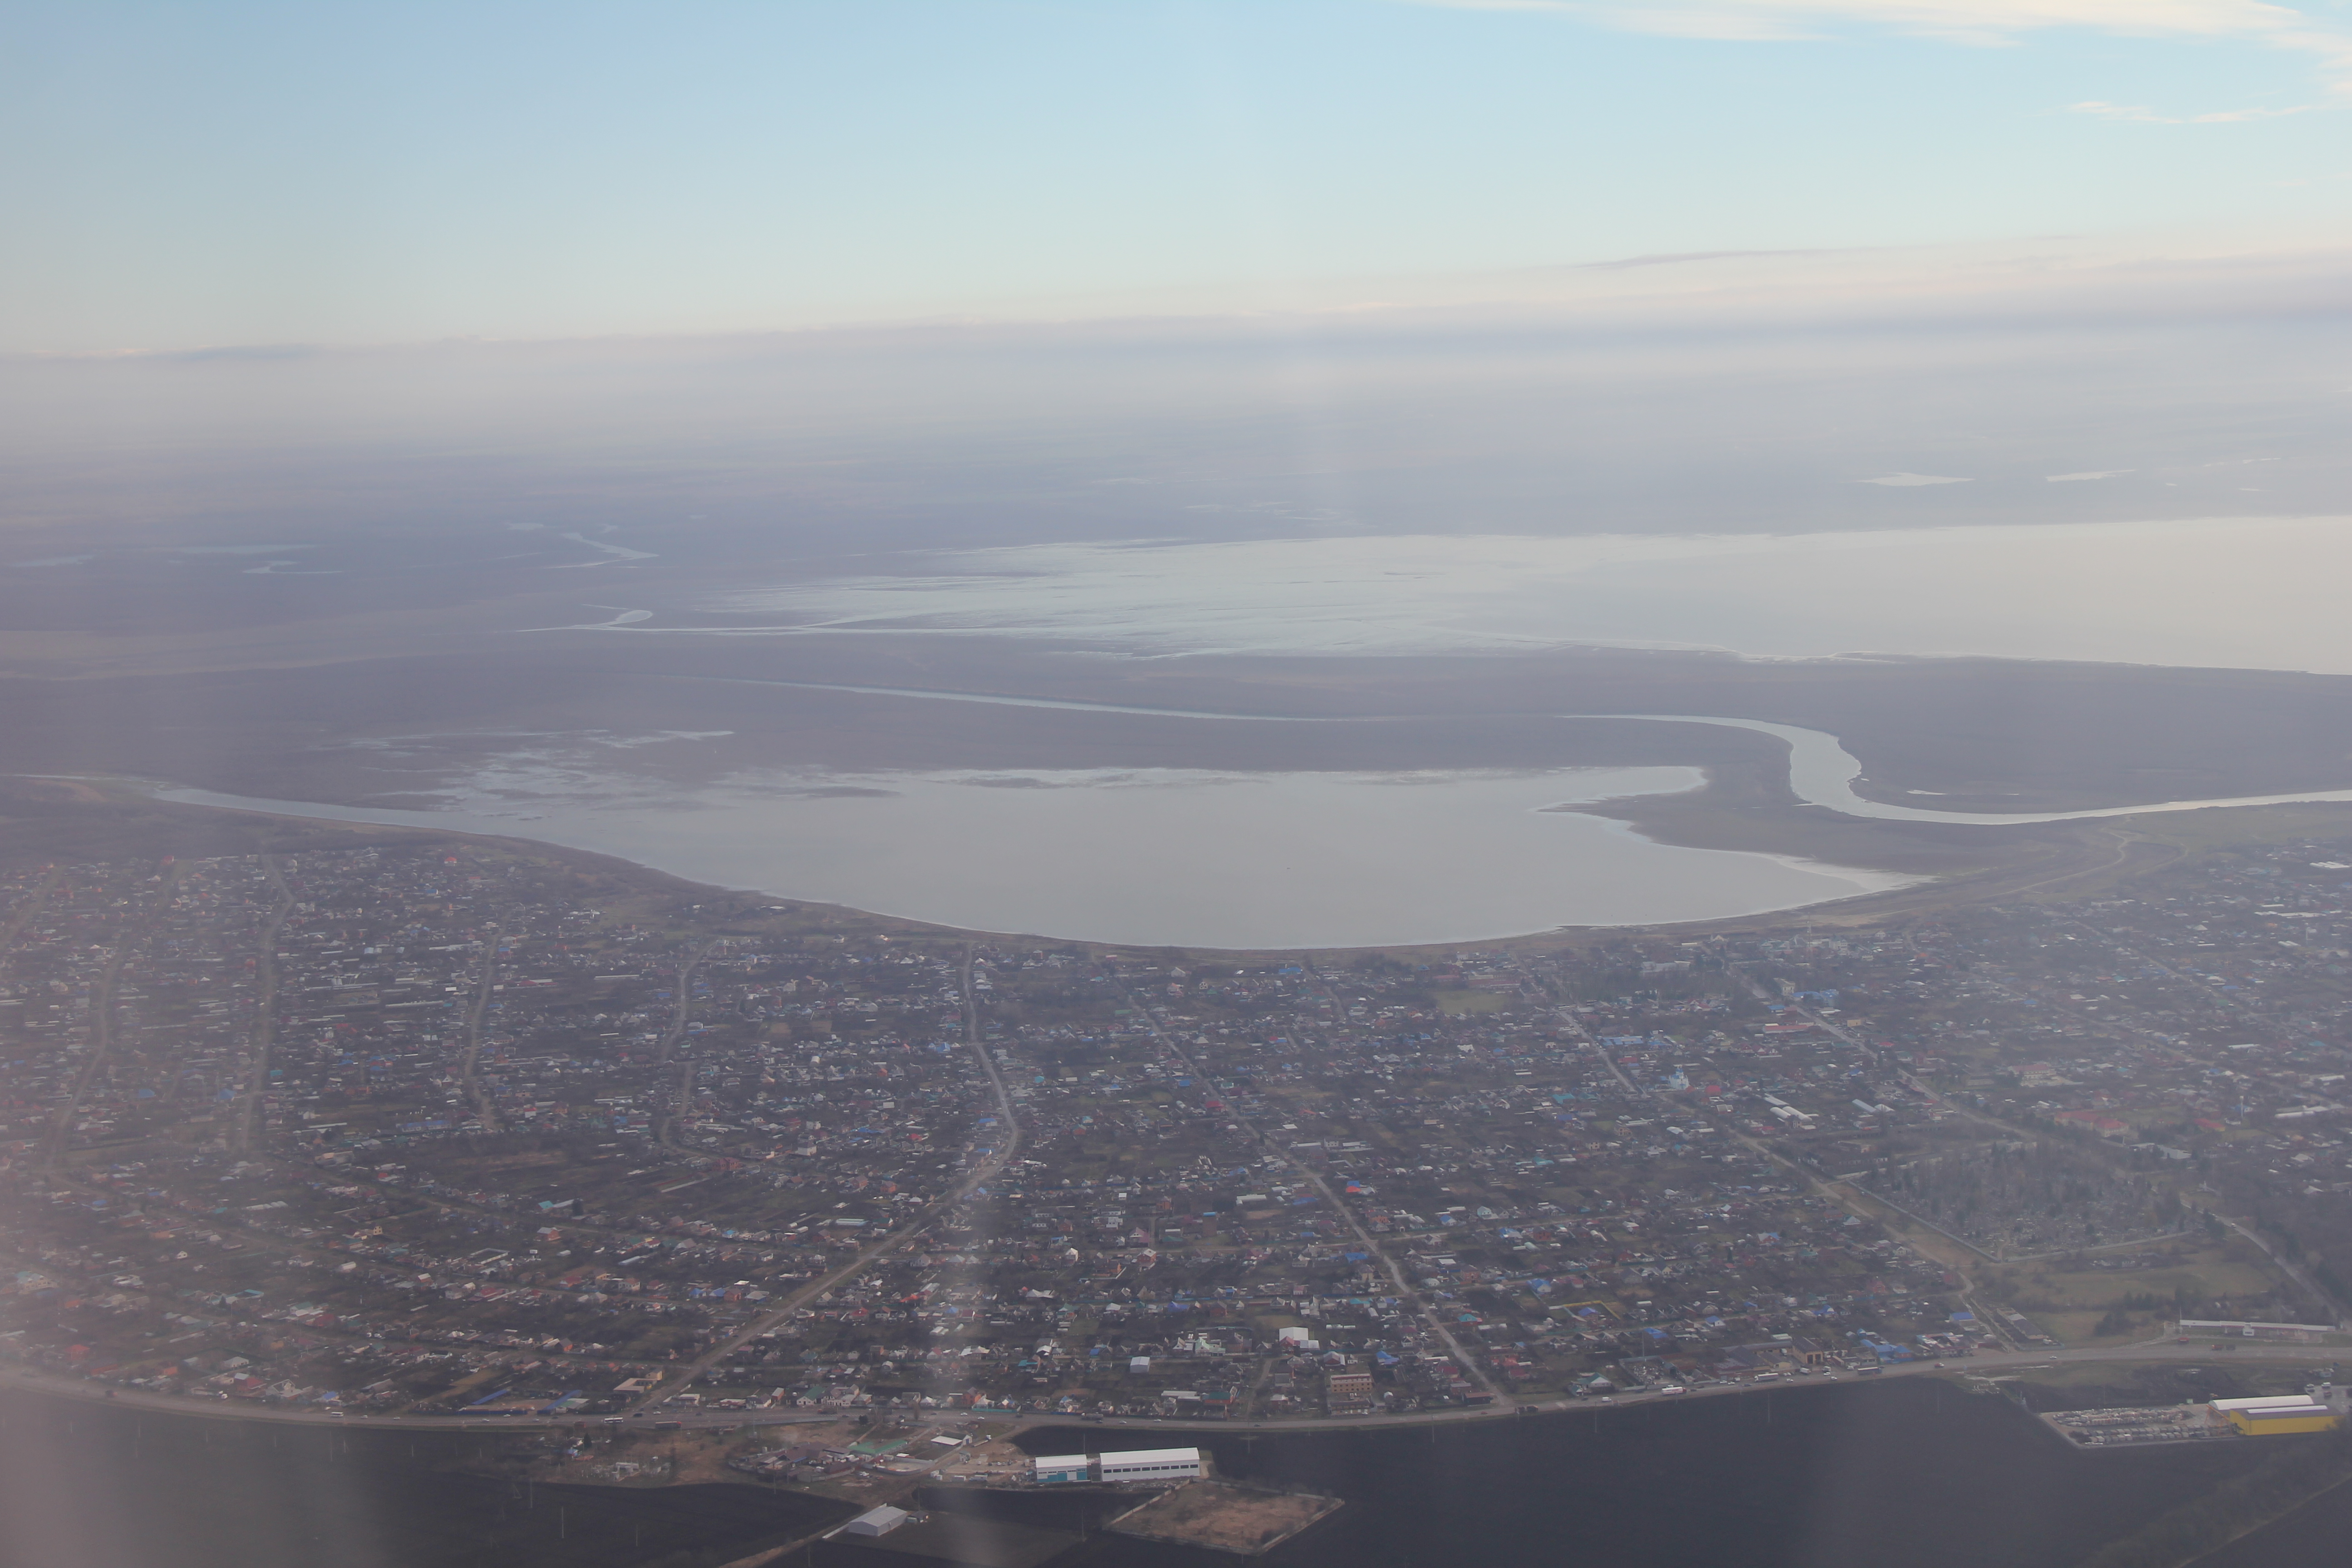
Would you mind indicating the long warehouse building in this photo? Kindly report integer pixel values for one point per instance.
(1153, 1465)
(1135, 1465)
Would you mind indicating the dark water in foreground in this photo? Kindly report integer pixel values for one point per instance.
(1909, 1472)
(2319, 1531)
(86, 1486)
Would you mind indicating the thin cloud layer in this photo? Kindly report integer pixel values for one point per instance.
(2142, 114)
(1978, 22)
(1793, 18)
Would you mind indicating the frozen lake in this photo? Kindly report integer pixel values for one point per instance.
(1167, 856)
(1190, 857)
(2241, 592)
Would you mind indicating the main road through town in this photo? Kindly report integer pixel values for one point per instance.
(992, 1160)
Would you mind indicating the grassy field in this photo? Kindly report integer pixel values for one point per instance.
(2068, 1303)
(2224, 829)
(1454, 1003)
(2141, 1382)
(2067, 1298)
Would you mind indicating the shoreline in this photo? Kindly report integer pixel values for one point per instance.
(2041, 859)
(40, 1382)
(1847, 881)
(2045, 861)
(1798, 809)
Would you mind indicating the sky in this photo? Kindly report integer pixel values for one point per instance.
(236, 171)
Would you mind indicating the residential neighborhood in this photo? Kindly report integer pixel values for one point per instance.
(443, 1127)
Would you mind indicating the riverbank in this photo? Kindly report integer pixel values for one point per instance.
(1820, 1476)
(1984, 1364)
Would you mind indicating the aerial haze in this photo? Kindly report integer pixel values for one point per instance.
(1582, 500)
(717, 721)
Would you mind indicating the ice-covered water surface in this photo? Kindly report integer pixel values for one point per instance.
(1168, 856)
(1822, 772)
(2238, 592)
(1184, 856)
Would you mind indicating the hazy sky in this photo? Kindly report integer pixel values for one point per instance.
(227, 172)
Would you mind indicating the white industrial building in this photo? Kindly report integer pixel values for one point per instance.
(2236, 1327)
(875, 1521)
(1063, 1467)
(1153, 1465)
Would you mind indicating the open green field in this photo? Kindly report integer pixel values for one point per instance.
(1455, 1002)
(2068, 1299)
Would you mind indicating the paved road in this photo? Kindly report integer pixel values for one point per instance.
(1405, 1291)
(681, 1014)
(265, 1015)
(32, 906)
(102, 1013)
(2318, 1293)
(678, 1378)
(1009, 1144)
(486, 1109)
(1982, 1365)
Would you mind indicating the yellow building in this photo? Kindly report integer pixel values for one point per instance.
(2274, 1423)
(2274, 1415)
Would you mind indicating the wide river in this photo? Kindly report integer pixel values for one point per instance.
(1286, 859)
(1912, 1472)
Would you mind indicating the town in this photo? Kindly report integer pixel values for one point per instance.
(458, 1127)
